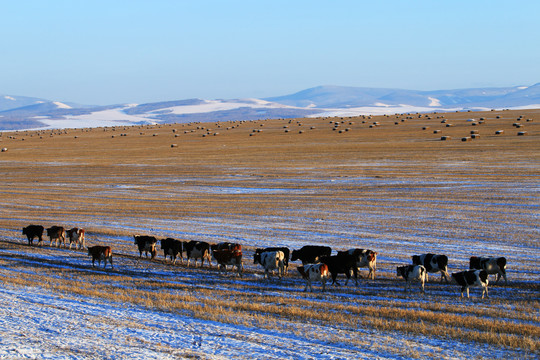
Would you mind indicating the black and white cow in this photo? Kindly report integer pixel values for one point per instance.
(172, 247)
(311, 254)
(286, 253)
(33, 231)
(364, 258)
(433, 263)
(468, 278)
(412, 273)
(270, 261)
(492, 265)
(146, 244)
(198, 250)
(314, 272)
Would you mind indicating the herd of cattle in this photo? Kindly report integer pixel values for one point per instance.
(318, 265)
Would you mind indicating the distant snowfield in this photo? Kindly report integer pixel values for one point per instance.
(118, 116)
(219, 105)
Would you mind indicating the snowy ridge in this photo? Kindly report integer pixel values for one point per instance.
(314, 102)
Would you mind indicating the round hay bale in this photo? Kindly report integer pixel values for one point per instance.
(466, 138)
(444, 138)
(302, 131)
(522, 133)
(286, 130)
(475, 136)
(529, 120)
(436, 131)
(474, 131)
(425, 128)
(449, 125)
(499, 132)
(174, 145)
(4, 149)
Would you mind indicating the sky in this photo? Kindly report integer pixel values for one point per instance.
(137, 51)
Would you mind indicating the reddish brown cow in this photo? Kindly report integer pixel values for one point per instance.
(101, 253)
(226, 257)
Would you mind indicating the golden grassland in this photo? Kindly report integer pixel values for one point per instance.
(384, 182)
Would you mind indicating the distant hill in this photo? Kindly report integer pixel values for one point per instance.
(352, 97)
(19, 112)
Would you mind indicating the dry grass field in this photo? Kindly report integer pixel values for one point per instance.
(387, 183)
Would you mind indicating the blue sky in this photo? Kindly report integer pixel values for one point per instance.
(107, 52)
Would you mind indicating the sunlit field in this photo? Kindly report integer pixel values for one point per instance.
(386, 183)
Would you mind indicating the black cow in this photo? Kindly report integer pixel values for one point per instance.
(472, 278)
(198, 250)
(32, 231)
(146, 244)
(492, 265)
(341, 264)
(57, 234)
(311, 254)
(172, 247)
(285, 250)
(433, 263)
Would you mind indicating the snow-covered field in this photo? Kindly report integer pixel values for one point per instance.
(393, 189)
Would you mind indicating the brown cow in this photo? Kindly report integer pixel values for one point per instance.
(100, 253)
(57, 234)
(226, 257)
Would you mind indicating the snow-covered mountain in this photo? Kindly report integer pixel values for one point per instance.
(17, 112)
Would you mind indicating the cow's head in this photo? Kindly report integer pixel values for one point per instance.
(257, 256)
(401, 270)
(294, 255)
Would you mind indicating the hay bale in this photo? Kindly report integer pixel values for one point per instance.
(444, 138)
(449, 125)
(174, 145)
(475, 136)
(4, 149)
(499, 132)
(474, 132)
(466, 138)
(522, 133)
(425, 128)
(436, 131)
